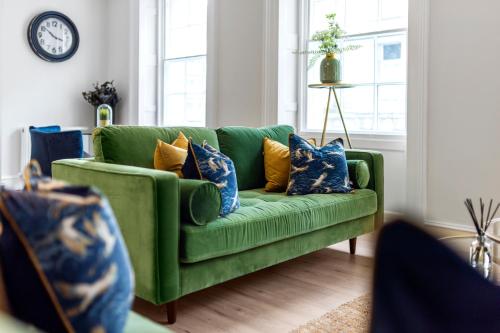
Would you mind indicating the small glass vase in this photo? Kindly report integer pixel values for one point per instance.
(104, 115)
(481, 255)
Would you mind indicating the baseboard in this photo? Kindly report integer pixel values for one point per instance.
(12, 182)
(449, 225)
(391, 215)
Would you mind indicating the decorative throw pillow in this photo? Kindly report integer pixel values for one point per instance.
(205, 162)
(277, 164)
(317, 170)
(171, 157)
(66, 268)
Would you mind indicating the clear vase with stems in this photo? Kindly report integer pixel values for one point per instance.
(480, 255)
(481, 249)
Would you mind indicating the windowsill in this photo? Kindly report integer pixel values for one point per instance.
(376, 141)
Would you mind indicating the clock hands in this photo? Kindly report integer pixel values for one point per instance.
(57, 38)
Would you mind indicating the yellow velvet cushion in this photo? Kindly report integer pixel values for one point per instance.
(181, 141)
(277, 164)
(171, 157)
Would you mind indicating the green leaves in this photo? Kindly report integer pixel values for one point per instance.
(330, 38)
(330, 41)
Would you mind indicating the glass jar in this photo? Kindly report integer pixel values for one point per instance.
(481, 255)
(104, 114)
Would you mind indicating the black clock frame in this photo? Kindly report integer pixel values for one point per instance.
(41, 52)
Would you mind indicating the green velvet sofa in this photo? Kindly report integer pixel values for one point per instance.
(173, 257)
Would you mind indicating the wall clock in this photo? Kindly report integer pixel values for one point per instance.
(53, 36)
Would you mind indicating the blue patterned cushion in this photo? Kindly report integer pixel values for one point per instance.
(317, 170)
(205, 162)
(68, 268)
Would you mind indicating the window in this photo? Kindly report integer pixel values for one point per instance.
(185, 63)
(377, 102)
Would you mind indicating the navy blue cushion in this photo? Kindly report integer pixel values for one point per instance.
(317, 170)
(49, 144)
(67, 268)
(205, 162)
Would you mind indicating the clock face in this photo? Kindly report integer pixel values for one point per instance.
(53, 37)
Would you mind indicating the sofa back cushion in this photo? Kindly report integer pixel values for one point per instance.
(244, 146)
(135, 145)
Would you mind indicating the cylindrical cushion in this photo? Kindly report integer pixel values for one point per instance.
(200, 201)
(359, 173)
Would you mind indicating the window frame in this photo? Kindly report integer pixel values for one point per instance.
(162, 63)
(368, 139)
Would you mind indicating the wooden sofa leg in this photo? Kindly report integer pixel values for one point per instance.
(172, 312)
(352, 245)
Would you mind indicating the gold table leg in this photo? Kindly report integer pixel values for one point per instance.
(323, 135)
(341, 117)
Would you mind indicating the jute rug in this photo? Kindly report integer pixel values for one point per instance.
(352, 317)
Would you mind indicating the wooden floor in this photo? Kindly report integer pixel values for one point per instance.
(280, 298)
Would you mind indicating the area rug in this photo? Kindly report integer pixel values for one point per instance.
(351, 317)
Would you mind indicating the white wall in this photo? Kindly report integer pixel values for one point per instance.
(464, 102)
(121, 57)
(239, 41)
(35, 92)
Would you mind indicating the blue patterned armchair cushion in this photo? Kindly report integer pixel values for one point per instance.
(206, 162)
(66, 265)
(317, 170)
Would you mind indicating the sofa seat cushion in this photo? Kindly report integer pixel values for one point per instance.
(269, 217)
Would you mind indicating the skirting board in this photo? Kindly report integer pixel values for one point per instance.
(449, 225)
(11, 182)
(389, 216)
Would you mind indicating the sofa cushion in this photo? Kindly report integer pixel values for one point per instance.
(200, 201)
(135, 145)
(359, 173)
(244, 146)
(64, 253)
(209, 164)
(269, 217)
(317, 169)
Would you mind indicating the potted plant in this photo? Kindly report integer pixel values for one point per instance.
(104, 115)
(330, 47)
(104, 95)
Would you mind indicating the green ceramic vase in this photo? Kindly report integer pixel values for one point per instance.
(330, 69)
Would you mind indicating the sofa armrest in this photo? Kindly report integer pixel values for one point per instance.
(146, 206)
(375, 161)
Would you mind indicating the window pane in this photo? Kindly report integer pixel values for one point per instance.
(316, 106)
(393, 14)
(358, 109)
(358, 65)
(392, 108)
(185, 92)
(391, 58)
(361, 16)
(186, 28)
(320, 8)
